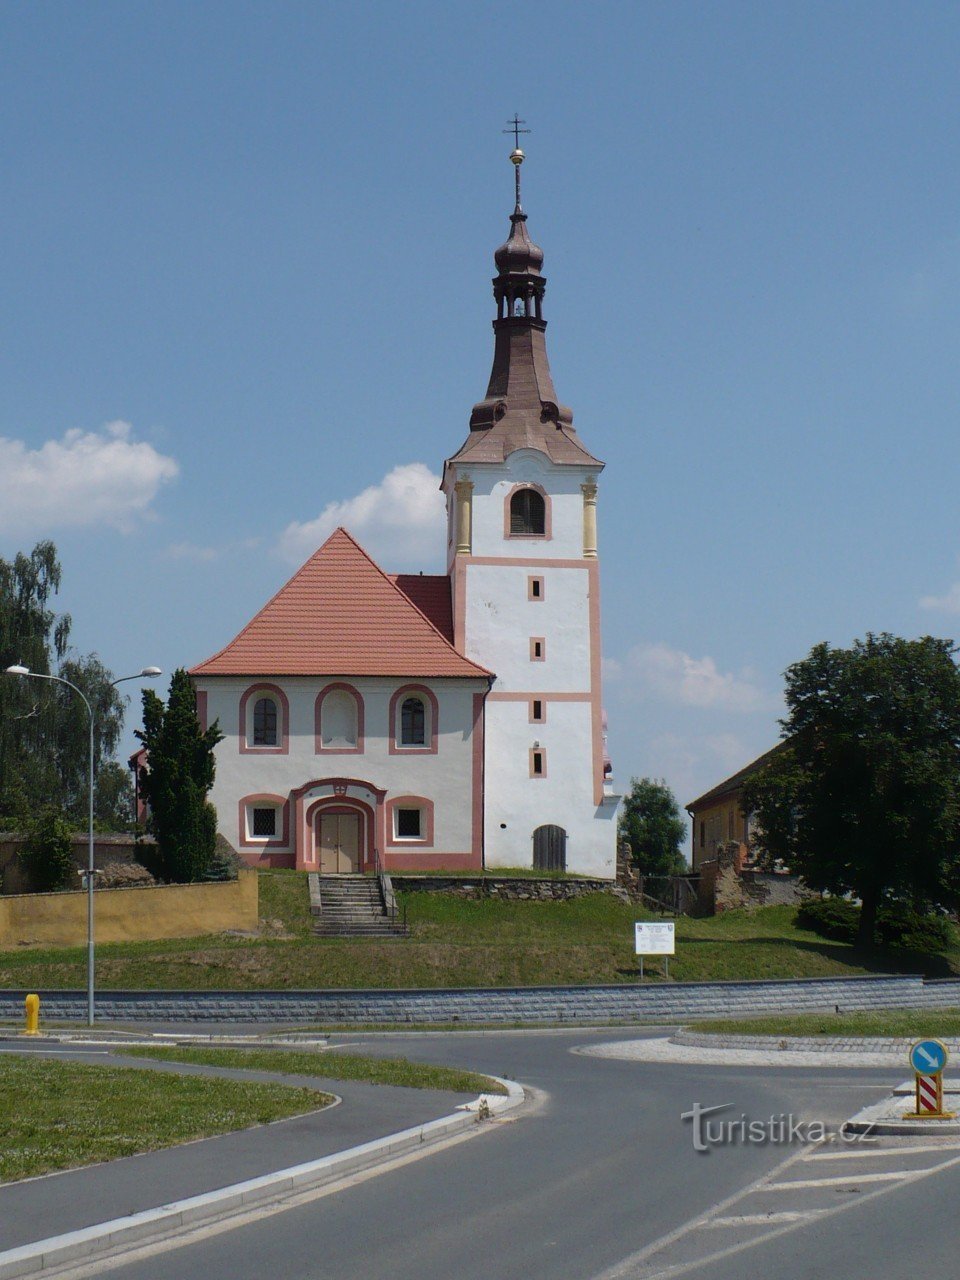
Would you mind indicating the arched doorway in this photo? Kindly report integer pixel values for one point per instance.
(550, 848)
(339, 839)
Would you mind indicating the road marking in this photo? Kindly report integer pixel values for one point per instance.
(862, 1152)
(765, 1219)
(643, 1264)
(903, 1174)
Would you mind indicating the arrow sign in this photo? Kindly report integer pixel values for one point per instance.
(928, 1057)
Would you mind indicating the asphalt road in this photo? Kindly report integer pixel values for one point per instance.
(598, 1176)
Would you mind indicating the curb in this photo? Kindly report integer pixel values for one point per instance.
(107, 1239)
(885, 1119)
(804, 1044)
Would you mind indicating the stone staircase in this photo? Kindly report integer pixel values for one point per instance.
(350, 906)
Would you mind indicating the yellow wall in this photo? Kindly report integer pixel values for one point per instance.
(130, 915)
(722, 821)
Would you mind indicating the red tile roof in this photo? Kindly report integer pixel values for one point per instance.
(341, 615)
(430, 592)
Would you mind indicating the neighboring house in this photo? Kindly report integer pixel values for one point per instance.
(717, 816)
(442, 721)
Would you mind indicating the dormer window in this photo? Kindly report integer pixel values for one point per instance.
(528, 514)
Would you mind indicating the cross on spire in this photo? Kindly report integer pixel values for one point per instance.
(517, 154)
(515, 129)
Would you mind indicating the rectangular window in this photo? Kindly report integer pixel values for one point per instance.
(264, 822)
(409, 824)
(534, 588)
(538, 762)
(538, 711)
(538, 649)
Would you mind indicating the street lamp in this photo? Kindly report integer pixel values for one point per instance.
(146, 673)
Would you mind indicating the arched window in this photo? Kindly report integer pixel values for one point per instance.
(338, 720)
(413, 723)
(265, 721)
(550, 848)
(527, 513)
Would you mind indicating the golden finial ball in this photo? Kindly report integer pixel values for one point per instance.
(517, 157)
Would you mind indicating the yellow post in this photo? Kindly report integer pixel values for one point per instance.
(32, 1007)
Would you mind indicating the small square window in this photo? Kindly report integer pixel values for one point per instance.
(409, 824)
(264, 822)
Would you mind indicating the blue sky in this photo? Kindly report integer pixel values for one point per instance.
(246, 264)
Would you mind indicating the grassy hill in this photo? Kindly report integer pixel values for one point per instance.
(455, 942)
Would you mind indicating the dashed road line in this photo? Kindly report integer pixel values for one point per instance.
(890, 1176)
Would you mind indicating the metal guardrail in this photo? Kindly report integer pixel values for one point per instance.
(397, 914)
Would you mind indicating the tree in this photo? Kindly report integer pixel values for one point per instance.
(44, 730)
(864, 797)
(650, 819)
(114, 798)
(176, 780)
(46, 854)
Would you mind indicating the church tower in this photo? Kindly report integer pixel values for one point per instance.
(524, 571)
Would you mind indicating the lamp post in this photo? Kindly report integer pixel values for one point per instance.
(147, 673)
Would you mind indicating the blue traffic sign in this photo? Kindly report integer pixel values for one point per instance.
(928, 1057)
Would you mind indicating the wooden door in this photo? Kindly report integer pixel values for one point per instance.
(550, 848)
(338, 835)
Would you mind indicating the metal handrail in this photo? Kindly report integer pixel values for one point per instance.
(389, 906)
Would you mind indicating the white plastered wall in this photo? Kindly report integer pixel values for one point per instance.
(445, 778)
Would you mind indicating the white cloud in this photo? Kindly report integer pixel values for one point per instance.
(400, 521)
(675, 676)
(88, 477)
(949, 602)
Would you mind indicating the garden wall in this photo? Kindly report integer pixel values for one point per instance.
(130, 915)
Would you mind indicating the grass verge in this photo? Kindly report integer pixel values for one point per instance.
(457, 942)
(333, 1065)
(919, 1023)
(59, 1115)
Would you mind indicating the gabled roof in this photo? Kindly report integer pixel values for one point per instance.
(340, 615)
(735, 781)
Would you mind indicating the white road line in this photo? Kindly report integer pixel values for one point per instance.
(862, 1151)
(903, 1174)
(765, 1219)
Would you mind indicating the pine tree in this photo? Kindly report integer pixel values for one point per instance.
(176, 780)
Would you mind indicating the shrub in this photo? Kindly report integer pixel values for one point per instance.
(898, 925)
(46, 855)
(835, 918)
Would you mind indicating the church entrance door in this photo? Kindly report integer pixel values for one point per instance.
(338, 835)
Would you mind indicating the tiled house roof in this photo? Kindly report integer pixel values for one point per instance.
(340, 614)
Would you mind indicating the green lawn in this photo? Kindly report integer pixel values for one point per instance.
(58, 1115)
(457, 942)
(332, 1065)
(918, 1024)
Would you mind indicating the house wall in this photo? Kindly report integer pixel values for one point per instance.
(130, 915)
(371, 777)
(716, 823)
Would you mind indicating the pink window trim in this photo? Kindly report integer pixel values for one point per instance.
(543, 711)
(201, 697)
(318, 746)
(283, 706)
(396, 702)
(547, 516)
(530, 581)
(534, 656)
(276, 842)
(410, 802)
(542, 752)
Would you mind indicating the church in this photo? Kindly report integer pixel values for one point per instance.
(377, 721)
